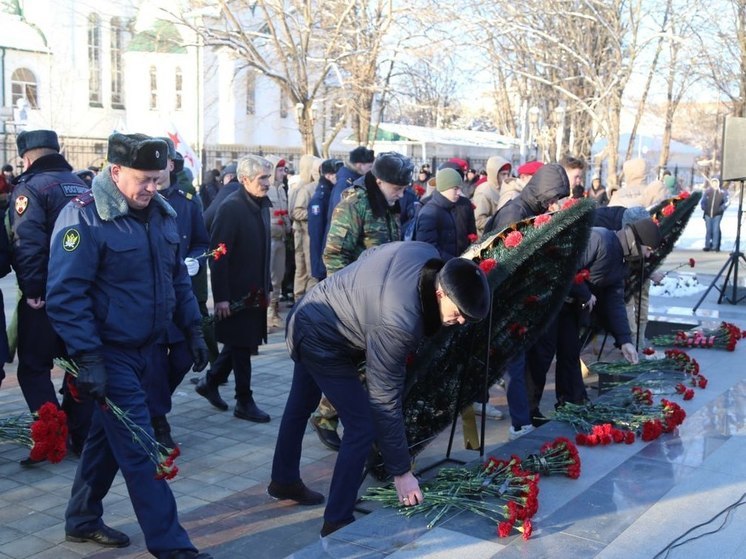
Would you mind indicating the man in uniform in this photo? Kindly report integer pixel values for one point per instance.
(116, 282)
(41, 191)
(173, 359)
(377, 309)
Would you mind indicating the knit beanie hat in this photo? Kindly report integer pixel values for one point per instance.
(446, 179)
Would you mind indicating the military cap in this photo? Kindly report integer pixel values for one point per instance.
(171, 147)
(34, 139)
(137, 151)
(394, 168)
(361, 154)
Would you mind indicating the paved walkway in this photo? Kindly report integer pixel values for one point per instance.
(630, 501)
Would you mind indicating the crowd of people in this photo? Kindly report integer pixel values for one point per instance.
(112, 266)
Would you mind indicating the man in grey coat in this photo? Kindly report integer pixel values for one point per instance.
(377, 309)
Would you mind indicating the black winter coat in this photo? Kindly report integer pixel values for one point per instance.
(604, 259)
(378, 308)
(242, 223)
(446, 225)
(210, 213)
(549, 184)
(39, 195)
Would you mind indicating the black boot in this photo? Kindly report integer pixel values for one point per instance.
(162, 431)
(250, 411)
(211, 394)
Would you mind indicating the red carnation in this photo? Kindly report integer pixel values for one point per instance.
(684, 195)
(692, 262)
(668, 210)
(569, 203)
(582, 276)
(488, 264)
(472, 237)
(542, 219)
(513, 239)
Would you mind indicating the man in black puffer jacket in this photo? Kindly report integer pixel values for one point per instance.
(376, 309)
(549, 185)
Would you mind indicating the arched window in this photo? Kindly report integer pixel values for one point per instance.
(179, 89)
(117, 68)
(94, 61)
(153, 88)
(23, 86)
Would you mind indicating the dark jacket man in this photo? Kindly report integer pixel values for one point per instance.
(446, 225)
(116, 281)
(242, 224)
(378, 309)
(40, 192)
(549, 185)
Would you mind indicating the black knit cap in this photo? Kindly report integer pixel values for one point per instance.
(466, 285)
(35, 139)
(361, 154)
(394, 168)
(647, 233)
(137, 151)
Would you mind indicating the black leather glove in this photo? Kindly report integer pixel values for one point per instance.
(91, 376)
(198, 347)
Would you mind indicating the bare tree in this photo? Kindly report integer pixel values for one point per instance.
(574, 55)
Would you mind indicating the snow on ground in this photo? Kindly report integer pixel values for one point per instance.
(693, 236)
(677, 285)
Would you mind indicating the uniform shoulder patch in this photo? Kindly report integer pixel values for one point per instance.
(82, 200)
(70, 239)
(21, 204)
(187, 195)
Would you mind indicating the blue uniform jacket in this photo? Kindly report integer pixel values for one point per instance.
(115, 279)
(38, 196)
(345, 179)
(193, 238)
(317, 226)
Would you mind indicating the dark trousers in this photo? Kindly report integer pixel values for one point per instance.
(538, 360)
(165, 371)
(110, 447)
(350, 398)
(239, 360)
(561, 340)
(38, 345)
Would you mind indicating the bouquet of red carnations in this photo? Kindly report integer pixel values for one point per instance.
(725, 336)
(44, 432)
(163, 457)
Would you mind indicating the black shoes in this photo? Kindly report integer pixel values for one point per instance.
(105, 536)
(331, 527)
(162, 431)
(250, 411)
(297, 492)
(328, 437)
(211, 394)
(188, 554)
(31, 462)
(538, 419)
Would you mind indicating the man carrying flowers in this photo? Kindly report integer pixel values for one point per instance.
(116, 281)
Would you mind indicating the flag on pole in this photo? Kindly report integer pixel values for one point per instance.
(191, 161)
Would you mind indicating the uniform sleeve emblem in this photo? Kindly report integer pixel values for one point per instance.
(70, 240)
(21, 204)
